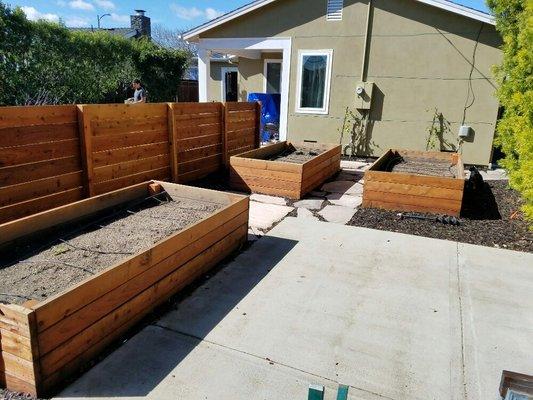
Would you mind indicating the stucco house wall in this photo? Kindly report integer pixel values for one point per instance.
(419, 58)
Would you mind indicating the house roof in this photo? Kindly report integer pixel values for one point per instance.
(442, 4)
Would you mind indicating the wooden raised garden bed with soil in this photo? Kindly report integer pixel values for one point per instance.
(285, 169)
(75, 278)
(405, 180)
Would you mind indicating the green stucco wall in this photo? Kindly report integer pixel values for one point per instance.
(419, 59)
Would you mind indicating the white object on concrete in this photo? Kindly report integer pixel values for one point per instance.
(310, 204)
(263, 215)
(263, 198)
(355, 165)
(337, 214)
(388, 314)
(305, 213)
(346, 200)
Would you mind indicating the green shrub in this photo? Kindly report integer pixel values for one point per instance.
(514, 20)
(46, 63)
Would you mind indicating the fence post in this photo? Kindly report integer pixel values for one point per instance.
(84, 127)
(258, 108)
(173, 139)
(224, 128)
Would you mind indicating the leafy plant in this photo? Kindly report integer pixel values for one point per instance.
(45, 63)
(514, 20)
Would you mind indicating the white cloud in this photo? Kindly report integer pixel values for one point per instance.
(105, 4)
(211, 13)
(77, 22)
(190, 13)
(81, 5)
(33, 15)
(120, 18)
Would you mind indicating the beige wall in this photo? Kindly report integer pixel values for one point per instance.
(215, 80)
(418, 58)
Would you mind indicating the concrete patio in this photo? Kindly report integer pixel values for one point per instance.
(394, 316)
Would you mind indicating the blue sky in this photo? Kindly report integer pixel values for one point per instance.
(180, 14)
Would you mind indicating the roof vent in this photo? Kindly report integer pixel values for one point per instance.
(140, 12)
(334, 10)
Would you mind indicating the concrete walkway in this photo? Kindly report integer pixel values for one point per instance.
(394, 316)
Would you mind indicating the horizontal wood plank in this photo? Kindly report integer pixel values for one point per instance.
(39, 170)
(38, 188)
(127, 168)
(33, 134)
(116, 156)
(119, 183)
(33, 153)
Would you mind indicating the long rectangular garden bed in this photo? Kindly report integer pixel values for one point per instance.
(406, 180)
(285, 169)
(75, 278)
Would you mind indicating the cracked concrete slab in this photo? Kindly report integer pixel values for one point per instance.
(310, 204)
(346, 200)
(263, 198)
(337, 214)
(263, 215)
(305, 213)
(393, 316)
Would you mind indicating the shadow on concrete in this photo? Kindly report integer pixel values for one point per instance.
(138, 367)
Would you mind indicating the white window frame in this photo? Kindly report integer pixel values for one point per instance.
(325, 109)
(223, 71)
(265, 64)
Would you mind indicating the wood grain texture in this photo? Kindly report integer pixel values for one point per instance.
(410, 192)
(253, 172)
(43, 345)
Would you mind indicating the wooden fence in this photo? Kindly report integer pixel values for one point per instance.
(40, 163)
(54, 155)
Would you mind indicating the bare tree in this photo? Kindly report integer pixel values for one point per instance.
(172, 39)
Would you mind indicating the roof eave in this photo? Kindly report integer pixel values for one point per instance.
(194, 34)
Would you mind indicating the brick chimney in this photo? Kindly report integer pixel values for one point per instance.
(141, 23)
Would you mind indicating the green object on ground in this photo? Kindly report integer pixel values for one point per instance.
(316, 392)
(342, 394)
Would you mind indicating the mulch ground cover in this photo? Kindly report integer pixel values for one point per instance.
(490, 217)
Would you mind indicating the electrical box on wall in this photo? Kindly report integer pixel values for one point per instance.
(363, 95)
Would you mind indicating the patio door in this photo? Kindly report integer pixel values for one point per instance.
(272, 76)
(230, 84)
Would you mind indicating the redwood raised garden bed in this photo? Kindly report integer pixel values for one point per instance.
(51, 334)
(285, 169)
(406, 180)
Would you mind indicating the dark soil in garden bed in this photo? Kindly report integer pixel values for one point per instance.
(422, 166)
(38, 268)
(491, 217)
(297, 155)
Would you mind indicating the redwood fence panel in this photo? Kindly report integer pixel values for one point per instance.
(54, 155)
(125, 144)
(242, 128)
(198, 138)
(40, 159)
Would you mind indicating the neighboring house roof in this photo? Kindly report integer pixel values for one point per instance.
(127, 33)
(442, 4)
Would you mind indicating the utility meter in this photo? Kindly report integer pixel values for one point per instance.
(363, 98)
(360, 90)
(464, 131)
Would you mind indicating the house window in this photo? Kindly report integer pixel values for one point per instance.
(334, 10)
(314, 77)
(272, 76)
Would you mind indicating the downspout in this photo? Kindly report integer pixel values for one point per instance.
(364, 66)
(367, 42)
